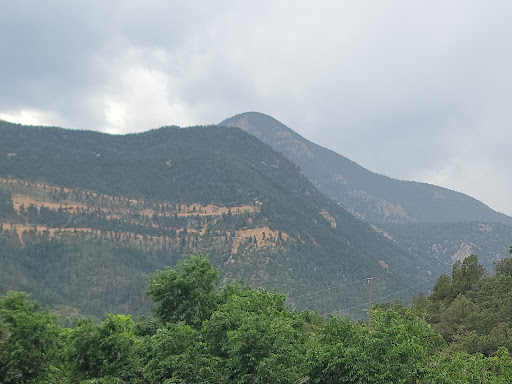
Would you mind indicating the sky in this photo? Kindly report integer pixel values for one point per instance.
(416, 90)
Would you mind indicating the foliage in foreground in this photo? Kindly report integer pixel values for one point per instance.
(472, 310)
(203, 333)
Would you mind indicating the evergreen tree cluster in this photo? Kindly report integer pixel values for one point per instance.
(473, 310)
(213, 165)
(73, 243)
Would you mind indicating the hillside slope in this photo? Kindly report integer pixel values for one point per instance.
(435, 222)
(376, 197)
(87, 216)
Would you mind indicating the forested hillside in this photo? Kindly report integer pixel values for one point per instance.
(376, 197)
(453, 242)
(86, 217)
(435, 222)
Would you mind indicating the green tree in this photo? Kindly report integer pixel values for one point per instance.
(258, 340)
(443, 290)
(6, 207)
(466, 274)
(186, 293)
(419, 305)
(29, 341)
(177, 354)
(478, 320)
(441, 297)
(458, 317)
(109, 351)
(463, 368)
(334, 354)
(504, 267)
(397, 350)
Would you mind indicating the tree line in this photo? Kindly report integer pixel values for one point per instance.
(205, 332)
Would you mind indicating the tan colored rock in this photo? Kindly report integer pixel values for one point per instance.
(464, 251)
(328, 217)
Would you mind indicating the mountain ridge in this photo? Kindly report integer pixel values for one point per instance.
(131, 192)
(356, 186)
(434, 222)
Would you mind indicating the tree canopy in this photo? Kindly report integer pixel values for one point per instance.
(205, 333)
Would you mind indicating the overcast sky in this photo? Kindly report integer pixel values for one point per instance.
(416, 90)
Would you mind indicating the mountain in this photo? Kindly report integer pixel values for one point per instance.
(86, 217)
(409, 211)
(376, 197)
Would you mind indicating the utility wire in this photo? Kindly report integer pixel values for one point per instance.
(397, 292)
(362, 280)
(382, 297)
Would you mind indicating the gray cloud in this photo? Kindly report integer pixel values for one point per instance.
(412, 90)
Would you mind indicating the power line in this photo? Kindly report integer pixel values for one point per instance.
(373, 277)
(363, 279)
(397, 292)
(328, 289)
(383, 297)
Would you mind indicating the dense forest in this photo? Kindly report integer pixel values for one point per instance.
(77, 249)
(204, 331)
(86, 217)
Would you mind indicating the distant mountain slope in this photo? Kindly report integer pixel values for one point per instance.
(86, 216)
(437, 223)
(377, 198)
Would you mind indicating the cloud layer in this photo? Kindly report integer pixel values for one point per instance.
(414, 90)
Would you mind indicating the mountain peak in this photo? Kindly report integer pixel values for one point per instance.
(272, 132)
(256, 123)
(253, 116)
(376, 197)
